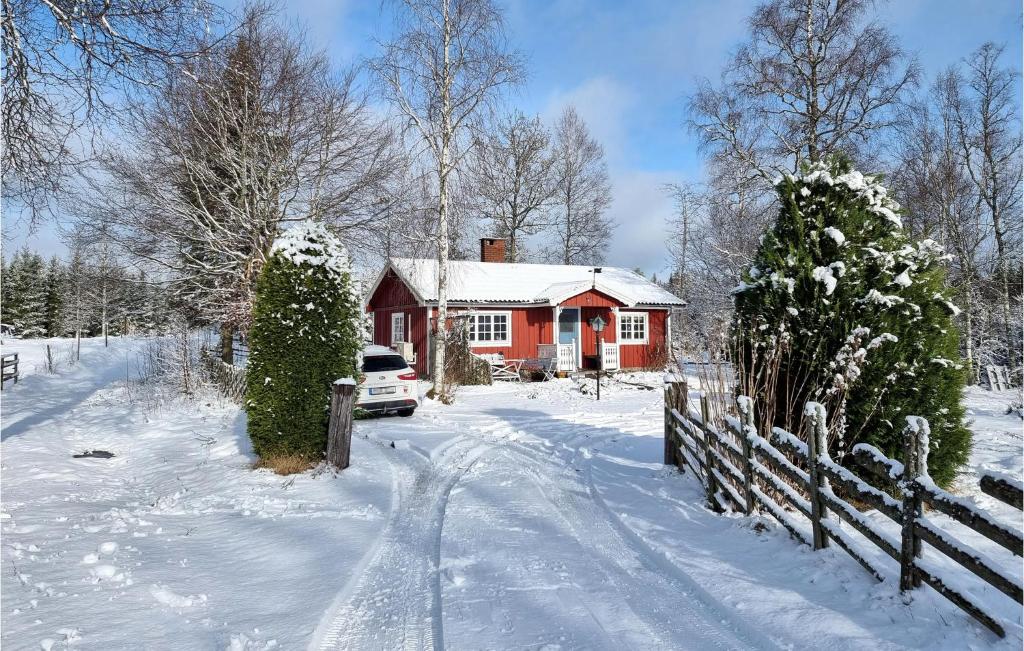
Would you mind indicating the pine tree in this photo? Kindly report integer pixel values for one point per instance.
(54, 298)
(305, 335)
(840, 307)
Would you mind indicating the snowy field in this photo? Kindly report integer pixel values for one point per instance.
(523, 516)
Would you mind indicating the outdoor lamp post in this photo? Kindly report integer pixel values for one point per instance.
(597, 323)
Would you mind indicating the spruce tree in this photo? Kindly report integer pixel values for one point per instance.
(841, 308)
(27, 295)
(5, 291)
(305, 335)
(54, 298)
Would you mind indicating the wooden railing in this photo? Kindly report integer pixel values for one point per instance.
(609, 357)
(567, 357)
(798, 484)
(8, 368)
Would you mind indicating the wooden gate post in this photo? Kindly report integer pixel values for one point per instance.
(675, 398)
(746, 408)
(814, 422)
(709, 459)
(670, 455)
(914, 460)
(339, 427)
(680, 403)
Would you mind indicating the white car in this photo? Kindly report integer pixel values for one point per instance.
(389, 383)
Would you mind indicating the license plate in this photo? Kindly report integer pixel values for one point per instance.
(381, 391)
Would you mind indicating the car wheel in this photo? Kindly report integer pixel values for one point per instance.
(405, 413)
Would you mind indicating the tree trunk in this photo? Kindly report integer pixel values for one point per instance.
(440, 339)
(972, 370)
(227, 352)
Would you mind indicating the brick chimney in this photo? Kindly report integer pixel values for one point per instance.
(492, 249)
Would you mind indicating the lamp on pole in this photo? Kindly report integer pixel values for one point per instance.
(597, 323)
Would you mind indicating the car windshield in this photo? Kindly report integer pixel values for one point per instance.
(378, 363)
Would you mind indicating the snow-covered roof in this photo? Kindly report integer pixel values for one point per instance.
(495, 282)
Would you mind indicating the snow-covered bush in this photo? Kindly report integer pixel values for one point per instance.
(840, 307)
(305, 334)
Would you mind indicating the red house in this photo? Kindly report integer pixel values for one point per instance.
(512, 308)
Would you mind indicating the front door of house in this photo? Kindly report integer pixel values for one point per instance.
(569, 329)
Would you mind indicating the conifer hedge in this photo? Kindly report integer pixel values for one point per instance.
(305, 334)
(839, 306)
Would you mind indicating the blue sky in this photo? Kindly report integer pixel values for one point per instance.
(628, 68)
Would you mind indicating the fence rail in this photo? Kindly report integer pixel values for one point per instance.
(797, 483)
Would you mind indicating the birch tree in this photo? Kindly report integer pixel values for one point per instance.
(988, 124)
(582, 194)
(512, 176)
(442, 73)
(814, 77)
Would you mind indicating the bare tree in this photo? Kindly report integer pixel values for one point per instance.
(512, 175)
(815, 77)
(442, 72)
(988, 122)
(941, 203)
(259, 134)
(582, 193)
(67, 66)
(688, 201)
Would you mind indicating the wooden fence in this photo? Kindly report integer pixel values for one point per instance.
(9, 368)
(798, 484)
(230, 380)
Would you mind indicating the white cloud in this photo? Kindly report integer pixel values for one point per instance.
(604, 104)
(641, 211)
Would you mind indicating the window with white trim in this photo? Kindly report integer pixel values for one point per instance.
(632, 327)
(490, 329)
(397, 327)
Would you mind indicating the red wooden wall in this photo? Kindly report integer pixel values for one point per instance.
(590, 298)
(393, 296)
(530, 326)
(654, 353)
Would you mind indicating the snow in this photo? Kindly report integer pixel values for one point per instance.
(824, 275)
(835, 234)
(178, 508)
(473, 281)
(521, 516)
(310, 243)
(345, 381)
(903, 279)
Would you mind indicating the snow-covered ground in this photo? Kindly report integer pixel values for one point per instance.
(523, 516)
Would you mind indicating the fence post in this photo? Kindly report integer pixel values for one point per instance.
(675, 398)
(814, 420)
(746, 407)
(709, 459)
(339, 428)
(914, 460)
(670, 454)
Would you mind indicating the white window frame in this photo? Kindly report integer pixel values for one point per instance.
(397, 317)
(644, 316)
(491, 343)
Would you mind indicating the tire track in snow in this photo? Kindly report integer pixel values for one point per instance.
(395, 601)
(658, 592)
